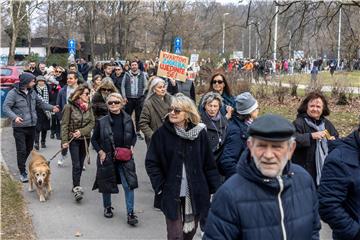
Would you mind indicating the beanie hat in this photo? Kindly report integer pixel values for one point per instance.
(245, 103)
(25, 78)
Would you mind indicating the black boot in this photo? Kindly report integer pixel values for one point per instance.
(132, 219)
(108, 212)
(36, 146)
(43, 145)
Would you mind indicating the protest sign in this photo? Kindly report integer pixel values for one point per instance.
(172, 66)
(194, 58)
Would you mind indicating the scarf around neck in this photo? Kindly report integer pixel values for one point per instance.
(321, 148)
(191, 134)
(83, 106)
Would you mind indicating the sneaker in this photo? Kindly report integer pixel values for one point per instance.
(84, 168)
(61, 161)
(36, 146)
(139, 137)
(24, 177)
(43, 145)
(132, 219)
(108, 212)
(52, 136)
(78, 193)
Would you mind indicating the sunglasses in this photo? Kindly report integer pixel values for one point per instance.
(86, 93)
(176, 110)
(113, 102)
(217, 81)
(106, 89)
(118, 69)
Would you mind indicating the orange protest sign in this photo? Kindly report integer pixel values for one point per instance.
(172, 66)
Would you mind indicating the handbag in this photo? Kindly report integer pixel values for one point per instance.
(122, 154)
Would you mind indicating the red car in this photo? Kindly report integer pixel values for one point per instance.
(10, 75)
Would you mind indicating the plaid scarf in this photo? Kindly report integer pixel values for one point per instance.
(43, 94)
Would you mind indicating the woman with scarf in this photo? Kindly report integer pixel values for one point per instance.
(115, 130)
(155, 108)
(43, 122)
(219, 84)
(313, 131)
(182, 169)
(77, 123)
(247, 110)
(99, 99)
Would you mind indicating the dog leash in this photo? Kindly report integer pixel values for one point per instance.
(87, 151)
(60, 150)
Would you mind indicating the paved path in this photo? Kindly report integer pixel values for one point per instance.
(61, 217)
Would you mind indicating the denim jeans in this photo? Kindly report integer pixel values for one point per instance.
(78, 154)
(129, 194)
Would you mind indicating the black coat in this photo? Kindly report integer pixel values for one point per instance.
(216, 131)
(164, 160)
(339, 190)
(43, 122)
(304, 154)
(107, 176)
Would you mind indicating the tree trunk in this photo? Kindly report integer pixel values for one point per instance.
(11, 58)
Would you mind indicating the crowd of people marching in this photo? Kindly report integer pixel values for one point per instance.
(271, 179)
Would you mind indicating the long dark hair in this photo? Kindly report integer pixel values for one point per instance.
(226, 87)
(311, 96)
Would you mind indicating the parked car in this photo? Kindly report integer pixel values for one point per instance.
(10, 75)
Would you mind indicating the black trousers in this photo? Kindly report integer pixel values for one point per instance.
(24, 142)
(137, 105)
(55, 125)
(43, 136)
(78, 154)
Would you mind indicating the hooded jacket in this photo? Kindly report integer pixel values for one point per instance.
(19, 104)
(250, 206)
(339, 190)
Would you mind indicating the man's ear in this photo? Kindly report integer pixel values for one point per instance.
(249, 143)
(292, 149)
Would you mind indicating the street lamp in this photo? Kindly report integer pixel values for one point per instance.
(223, 38)
(250, 39)
(289, 44)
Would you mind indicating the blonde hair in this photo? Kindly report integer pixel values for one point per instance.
(188, 106)
(115, 95)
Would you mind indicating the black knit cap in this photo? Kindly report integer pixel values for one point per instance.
(271, 127)
(25, 78)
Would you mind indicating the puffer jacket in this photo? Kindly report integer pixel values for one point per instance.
(249, 206)
(234, 145)
(73, 118)
(19, 104)
(339, 190)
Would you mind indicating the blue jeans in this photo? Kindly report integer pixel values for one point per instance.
(129, 194)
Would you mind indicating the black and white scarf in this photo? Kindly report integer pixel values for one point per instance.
(43, 94)
(189, 222)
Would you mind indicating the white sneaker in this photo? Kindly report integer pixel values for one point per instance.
(84, 168)
(61, 161)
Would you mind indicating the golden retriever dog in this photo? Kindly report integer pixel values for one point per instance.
(39, 175)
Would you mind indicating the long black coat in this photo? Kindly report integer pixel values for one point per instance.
(164, 160)
(99, 105)
(304, 154)
(43, 122)
(107, 175)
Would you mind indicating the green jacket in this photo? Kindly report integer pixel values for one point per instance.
(74, 119)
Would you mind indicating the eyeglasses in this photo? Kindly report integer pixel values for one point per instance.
(176, 110)
(118, 69)
(106, 89)
(113, 102)
(217, 81)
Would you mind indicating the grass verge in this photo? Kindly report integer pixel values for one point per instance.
(15, 220)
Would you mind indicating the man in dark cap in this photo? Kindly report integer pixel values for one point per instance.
(269, 197)
(19, 106)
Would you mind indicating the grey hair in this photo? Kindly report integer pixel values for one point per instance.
(115, 95)
(153, 83)
(211, 96)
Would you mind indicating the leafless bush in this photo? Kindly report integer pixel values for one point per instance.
(294, 84)
(261, 91)
(280, 92)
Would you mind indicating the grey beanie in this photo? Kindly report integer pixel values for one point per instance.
(25, 78)
(245, 103)
(40, 78)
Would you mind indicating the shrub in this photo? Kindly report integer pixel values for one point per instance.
(57, 58)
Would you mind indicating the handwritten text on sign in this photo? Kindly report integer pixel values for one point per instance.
(172, 66)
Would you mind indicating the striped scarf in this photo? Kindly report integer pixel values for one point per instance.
(43, 94)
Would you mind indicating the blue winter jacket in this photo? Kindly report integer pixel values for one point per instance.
(234, 146)
(339, 190)
(249, 206)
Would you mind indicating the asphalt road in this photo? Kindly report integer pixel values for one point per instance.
(62, 218)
